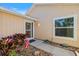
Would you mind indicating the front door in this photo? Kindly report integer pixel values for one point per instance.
(29, 29)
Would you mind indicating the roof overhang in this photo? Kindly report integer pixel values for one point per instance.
(17, 14)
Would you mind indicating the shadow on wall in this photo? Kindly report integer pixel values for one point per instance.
(1, 35)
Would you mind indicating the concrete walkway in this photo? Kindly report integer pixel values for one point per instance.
(56, 51)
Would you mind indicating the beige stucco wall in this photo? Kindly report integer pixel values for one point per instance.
(11, 24)
(45, 14)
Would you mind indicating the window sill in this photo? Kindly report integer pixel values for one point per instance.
(65, 38)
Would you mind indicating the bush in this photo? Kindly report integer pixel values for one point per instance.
(11, 42)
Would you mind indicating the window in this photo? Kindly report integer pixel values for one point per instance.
(28, 26)
(65, 27)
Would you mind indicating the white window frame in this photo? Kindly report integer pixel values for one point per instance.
(75, 28)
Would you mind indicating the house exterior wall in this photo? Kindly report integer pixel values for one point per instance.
(11, 24)
(45, 13)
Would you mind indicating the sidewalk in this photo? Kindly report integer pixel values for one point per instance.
(56, 51)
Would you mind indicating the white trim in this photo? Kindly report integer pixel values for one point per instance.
(75, 28)
(64, 27)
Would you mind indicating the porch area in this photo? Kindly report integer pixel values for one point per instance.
(56, 51)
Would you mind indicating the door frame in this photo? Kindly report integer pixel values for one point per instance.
(33, 27)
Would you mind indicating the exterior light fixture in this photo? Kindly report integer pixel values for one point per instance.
(38, 24)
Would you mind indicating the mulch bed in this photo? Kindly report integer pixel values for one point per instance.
(33, 51)
(64, 46)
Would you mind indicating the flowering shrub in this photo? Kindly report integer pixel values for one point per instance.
(11, 43)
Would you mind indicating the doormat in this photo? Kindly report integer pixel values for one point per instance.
(32, 40)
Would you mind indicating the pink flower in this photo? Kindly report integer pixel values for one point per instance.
(27, 43)
(9, 40)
